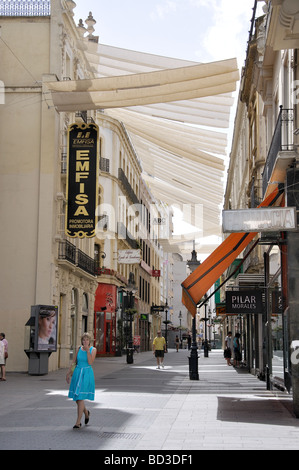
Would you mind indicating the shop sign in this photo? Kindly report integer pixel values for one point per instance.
(277, 302)
(82, 180)
(263, 219)
(220, 309)
(156, 273)
(157, 308)
(247, 301)
(129, 256)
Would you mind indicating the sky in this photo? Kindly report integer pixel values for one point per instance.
(197, 30)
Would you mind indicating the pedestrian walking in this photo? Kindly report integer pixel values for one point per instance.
(81, 378)
(237, 350)
(228, 348)
(177, 343)
(159, 348)
(3, 365)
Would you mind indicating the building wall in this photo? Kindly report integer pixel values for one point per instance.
(33, 187)
(266, 86)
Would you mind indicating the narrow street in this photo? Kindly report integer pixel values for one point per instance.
(140, 408)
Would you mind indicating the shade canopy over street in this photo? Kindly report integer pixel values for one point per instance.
(177, 114)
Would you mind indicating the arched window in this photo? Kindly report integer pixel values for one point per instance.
(85, 313)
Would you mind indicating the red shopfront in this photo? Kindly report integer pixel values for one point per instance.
(105, 319)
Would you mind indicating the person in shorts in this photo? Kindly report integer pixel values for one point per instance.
(228, 348)
(159, 348)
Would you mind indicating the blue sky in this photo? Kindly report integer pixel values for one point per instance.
(198, 30)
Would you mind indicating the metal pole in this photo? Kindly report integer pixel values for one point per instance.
(206, 348)
(193, 358)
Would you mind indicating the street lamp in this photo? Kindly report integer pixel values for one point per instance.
(180, 318)
(206, 346)
(166, 322)
(193, 358)
(129, 307)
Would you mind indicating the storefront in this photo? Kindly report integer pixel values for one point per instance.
(105, 319)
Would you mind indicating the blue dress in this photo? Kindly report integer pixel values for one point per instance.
(82, 385)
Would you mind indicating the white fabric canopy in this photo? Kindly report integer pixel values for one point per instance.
(175, 112)
(162, 86)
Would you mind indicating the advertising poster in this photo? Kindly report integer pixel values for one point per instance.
(47, 319)
(82, 180)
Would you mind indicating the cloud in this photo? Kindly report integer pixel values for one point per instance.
(227, 34)
(163, 9)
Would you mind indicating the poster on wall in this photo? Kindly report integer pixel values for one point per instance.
(46, 328)
(82, 180)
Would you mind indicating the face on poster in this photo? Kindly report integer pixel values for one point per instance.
(47, 329)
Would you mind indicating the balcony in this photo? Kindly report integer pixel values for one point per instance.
(85, 262)
(127, 187)
(68, 252)
(124, 234)
(281, 152)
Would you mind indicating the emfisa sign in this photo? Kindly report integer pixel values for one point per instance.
(249, 301)
(82, 180)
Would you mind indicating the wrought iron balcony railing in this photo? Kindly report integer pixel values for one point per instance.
(67, 251)
(124, 234)
(282, 141)
(127, 187)
(85, 262)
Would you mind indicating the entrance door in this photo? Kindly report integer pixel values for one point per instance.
(105, 319)
(105, 333)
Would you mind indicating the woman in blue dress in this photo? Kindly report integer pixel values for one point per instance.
(82, 385)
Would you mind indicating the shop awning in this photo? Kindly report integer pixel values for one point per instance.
(200, 281)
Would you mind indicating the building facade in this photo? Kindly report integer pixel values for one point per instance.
(264, 156)
(84, 278)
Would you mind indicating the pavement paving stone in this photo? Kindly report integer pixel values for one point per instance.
(140, 408)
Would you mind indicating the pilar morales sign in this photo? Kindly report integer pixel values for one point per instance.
(82, 179)
(247, 301)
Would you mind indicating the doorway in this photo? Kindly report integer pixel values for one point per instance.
(105, 333)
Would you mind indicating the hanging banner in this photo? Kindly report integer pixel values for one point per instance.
(82, 180)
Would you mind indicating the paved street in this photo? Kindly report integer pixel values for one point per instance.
(138, 408)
